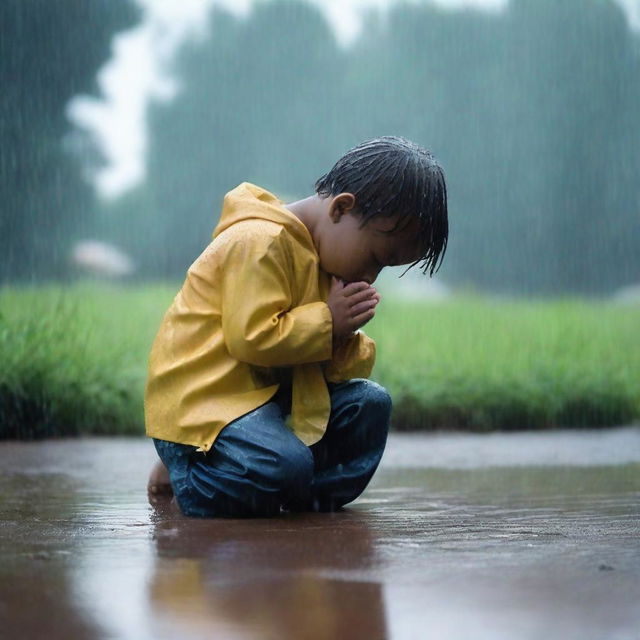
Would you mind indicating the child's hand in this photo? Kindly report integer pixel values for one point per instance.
(352, 306)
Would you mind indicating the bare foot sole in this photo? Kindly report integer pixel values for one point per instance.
(159, 484)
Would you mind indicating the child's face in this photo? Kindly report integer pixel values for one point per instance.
(353, 252)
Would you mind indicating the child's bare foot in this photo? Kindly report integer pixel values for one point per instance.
(159, 480)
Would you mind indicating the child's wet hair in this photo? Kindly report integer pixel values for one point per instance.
(391, 175)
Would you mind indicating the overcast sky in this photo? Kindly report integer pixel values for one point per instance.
(135, 74)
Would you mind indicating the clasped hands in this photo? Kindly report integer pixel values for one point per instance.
(352, 305)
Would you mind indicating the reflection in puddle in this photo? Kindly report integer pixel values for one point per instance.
(266, 579)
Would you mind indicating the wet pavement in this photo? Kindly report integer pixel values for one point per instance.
(459, 536)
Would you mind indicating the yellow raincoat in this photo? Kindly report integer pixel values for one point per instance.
(251, 314)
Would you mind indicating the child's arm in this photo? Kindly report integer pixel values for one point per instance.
(259, 322)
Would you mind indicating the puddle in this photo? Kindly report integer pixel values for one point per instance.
(458, 536)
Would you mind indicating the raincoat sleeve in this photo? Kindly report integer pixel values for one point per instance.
(259, 322)
(353, 359)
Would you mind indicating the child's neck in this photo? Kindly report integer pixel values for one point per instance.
(307, 211)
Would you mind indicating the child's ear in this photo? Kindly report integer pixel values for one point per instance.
(341, 204)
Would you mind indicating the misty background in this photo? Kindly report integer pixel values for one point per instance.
(532, 108)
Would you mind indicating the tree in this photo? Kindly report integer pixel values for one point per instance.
(50, 51)
(533, 114)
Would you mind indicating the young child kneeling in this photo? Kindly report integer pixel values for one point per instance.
(256, 397)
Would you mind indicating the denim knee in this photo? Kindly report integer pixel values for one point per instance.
(371, 421)
(374, 403)
(376, 398)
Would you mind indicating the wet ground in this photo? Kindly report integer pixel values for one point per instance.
(459, 536)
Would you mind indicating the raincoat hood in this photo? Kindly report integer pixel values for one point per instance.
(250, 202)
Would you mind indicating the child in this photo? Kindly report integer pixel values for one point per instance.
(256, 398)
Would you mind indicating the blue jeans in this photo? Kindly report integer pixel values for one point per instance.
(257, 466)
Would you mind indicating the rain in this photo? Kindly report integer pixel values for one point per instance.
(506, 502)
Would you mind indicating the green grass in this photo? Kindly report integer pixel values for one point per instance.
(495, 364)
(73, 361)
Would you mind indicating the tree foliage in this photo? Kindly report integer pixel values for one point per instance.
(50, 51)
(533, 112)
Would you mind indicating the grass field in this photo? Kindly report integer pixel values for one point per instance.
(73, 361)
